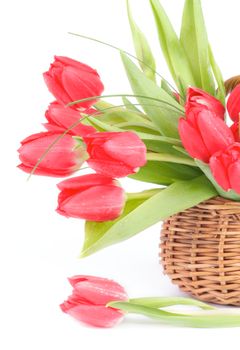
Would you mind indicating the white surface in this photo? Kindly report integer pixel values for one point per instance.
(39, 248)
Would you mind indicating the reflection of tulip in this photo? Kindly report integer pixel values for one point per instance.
(89, 298)
(61, 118)
(91, 197)
(203, 134)
(69, 80)
(225, 167)
(61, 159)
(115, 154)
(233, 104)
(197, 98)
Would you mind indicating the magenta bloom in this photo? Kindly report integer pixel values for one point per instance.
(91, 197)
(61, 118)
(69, 80)
(225, 167)
(89, 298)
(115, 154)
(233, 104)
(199, 99)
(203, 134)
(61, 159)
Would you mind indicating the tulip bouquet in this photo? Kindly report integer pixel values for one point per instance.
(176, 135)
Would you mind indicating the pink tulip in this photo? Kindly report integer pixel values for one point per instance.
(225, 167)
(69, 80)
(115, 154)
(91, 197)
(61, 160)
(233, 104)
(89, 298)
(236, 131)
(203, 134)
(61, 118)
(197, 98)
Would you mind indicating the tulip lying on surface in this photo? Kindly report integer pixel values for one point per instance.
(92, 197)
(233, 104)
(89, 298)
(115, 154)
(203, 134)
(61, 159)
(69, 80)
(60, 118)
(197, 98)
(225, 167)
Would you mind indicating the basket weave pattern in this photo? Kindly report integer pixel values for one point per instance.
(200, 251)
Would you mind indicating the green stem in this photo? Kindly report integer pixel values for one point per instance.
(205, 319)
(158, 302)
(163, 157)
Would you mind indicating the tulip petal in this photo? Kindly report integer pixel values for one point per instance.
(80, 86)
(56, 89)
(128, 148)
(85, 181)
(97, 316)
(234, 176)
(219, 172)
(233, 104)
(98, 203)
(100, 292)
(111, 168)
(215, 133)
(192, 141)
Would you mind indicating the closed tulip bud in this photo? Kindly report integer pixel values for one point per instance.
(89, 298)
(225, 167)
(115, 154)
(61, 159)
(203, 134)
(197, 98)
(69, 80)
(91, 197)
(233, 104)
(61, 118)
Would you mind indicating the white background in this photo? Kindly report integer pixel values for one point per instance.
(39, 248)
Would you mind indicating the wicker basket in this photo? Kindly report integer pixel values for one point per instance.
(200, 251)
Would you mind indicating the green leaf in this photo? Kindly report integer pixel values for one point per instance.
(169, 157)
(172, 49)
(217, 318)
(129, 105)
(140, 215)
(164, 113)
(221, 93)
(164, 173)
(195, 42)
(226, 194)
(142, 48)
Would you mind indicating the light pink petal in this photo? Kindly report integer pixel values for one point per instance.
(99, 203)
(79, 183)
(56, 89)
(128, 148)
(234, 176)
(233, 104)
(66, 61)
(215, 133)
(111, 168)
(219, 172)
(97, 316)
(192, 141)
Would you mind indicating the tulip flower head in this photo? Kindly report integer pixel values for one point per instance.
(115, 154)
(60, 118)
(225, 167)
(91, 197)
(62, 159)
(203, 134)
(69, 80)
(199, 99)
(233, 104)
(89, 299)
